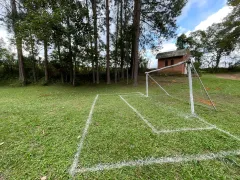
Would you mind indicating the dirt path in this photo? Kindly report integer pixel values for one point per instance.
(235, 76)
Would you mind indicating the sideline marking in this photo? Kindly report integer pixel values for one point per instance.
(161, 160)
(74, 165)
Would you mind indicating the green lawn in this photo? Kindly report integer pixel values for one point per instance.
(42, 126)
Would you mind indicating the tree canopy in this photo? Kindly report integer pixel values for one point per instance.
(69, 36)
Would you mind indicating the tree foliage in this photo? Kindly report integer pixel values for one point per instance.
(217, 41)
(69, 35)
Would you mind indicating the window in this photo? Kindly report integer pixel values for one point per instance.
(172, 62)
(166, 62)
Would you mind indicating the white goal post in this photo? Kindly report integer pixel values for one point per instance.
(190, 66)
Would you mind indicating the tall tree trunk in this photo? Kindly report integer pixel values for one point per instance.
(121, 42)
(93, 66)
(116, 46)
(34, 67)
(107, 47)
(133, 41)
(94, 9)
(33, 59)
(218, 58)
(91, 47)
(132, 58)
(70, 51)
(60, 60)
(46, 60)
(22, 76)
(74, 70)
(136, 26)
(126, 42)
(127, 60)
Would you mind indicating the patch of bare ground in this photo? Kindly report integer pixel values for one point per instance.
(235, 76)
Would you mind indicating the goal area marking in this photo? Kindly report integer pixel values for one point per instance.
(147, 161)
(166, 130)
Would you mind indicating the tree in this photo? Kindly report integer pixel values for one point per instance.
(232, 24)
(73, 31)
(57, 37)
(218, 43)
(15, 19)
(7, 60)
(90, 51)
(116, 43)
(136, 30)
(107, 46)
(183, 42)
(194, 42)
(94, 10)
(40, 20)
(158, 16)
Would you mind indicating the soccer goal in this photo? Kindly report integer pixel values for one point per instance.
(189, 82)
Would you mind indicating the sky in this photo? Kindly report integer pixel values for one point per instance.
(196, 15)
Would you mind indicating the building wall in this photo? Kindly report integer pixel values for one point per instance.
(174, 70)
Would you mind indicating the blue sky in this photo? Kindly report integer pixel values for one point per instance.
(196, 15)
(196, 11)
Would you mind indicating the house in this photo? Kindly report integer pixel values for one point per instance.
(171, 58)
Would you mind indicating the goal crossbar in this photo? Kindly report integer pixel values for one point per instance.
(183, 62)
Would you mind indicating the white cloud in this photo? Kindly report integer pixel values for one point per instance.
(3, 33)
(168, 47)
(188, 6)
(214, 18)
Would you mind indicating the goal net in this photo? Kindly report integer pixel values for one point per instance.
(183, 91)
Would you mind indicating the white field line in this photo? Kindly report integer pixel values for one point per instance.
(80, 145)
(161, 160)
(184, 115)
(146, 121)
(137, 94)
(204, 121)
(116, 94)
(225, 132)
(142, 94)
(185, 129)
(165, 131)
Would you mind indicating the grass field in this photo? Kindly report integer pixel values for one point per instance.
(102, 132)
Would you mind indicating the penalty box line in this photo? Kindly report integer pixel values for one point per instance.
(74, 165)
(161, 160)
(211, 126)
(116, 94)
(164, 131)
